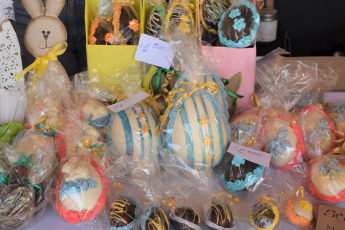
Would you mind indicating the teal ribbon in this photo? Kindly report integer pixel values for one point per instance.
(25, 161)
(230, 93)
(3, 179)
(36, 188)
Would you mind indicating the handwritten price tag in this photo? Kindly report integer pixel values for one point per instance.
(154, 51)
(129, 102)
(255, 156)
(330, 218)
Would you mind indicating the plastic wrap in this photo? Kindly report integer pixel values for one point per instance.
(9, 131)
(264, 214)
(81, 189)
(179, 18)
(318, 131)
(163, 81)
(238, 25)
(155, 20)
(337, 114)
(284, 141)
(325, 178)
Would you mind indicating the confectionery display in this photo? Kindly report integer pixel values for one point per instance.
(144, 147)
(238, 25)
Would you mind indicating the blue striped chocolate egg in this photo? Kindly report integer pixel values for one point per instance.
(133, 132)
(197, 131)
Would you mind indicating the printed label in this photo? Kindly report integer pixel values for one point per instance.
(154, 51)
(330, 218)
(253, 155)
(129, 102)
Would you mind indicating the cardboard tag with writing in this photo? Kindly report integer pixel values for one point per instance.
(129, 102)
(330, 218)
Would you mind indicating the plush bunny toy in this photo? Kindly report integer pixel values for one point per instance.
(45, 37)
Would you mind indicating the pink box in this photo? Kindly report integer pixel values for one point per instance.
(226, 62)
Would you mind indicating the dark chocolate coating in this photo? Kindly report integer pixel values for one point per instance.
(263, 215)
(227, 26)
(162, 81)
(154, 24)
(100, 33)
(234, 173)
(221, 215)
(157, 216)
(209, 38)
(212, 11)
(15, 203)
(125, 212)
(17, 173)
(126, 16)
(189, 215)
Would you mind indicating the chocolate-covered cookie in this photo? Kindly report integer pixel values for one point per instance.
(185, 218)
(238, 26)
(122, 212)
(155, 219)
(18, 173)
(155, 21)
(220, 215)
(15, 204)
(264, 215)
(126, 25)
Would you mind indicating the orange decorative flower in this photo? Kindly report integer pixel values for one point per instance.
(134, 25)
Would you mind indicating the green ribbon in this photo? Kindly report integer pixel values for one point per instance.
(230, 93)
(36, 188)
(158, 79)
(3, 179)
(25, 161)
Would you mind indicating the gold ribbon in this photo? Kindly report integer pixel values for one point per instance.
(118, 185)
(46, 126)
(212, 86)
(229, 195)
(282, 193)
(169, 203)
(335, 151)
(122, 1)
(40, 64)
(320, 106)
(300, 192)
(266, 198)
(256, 101)
(340, 133)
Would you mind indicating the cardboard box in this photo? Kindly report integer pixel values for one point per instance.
(109, 58)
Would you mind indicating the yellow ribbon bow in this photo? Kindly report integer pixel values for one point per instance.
(169, 203)
(40, 64)
(229, 195)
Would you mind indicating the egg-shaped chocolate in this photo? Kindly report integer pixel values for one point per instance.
(155, 21)
(179, 18)
(123, 212)
(185, 218)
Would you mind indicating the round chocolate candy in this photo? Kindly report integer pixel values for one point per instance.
(155, 219)
(185, 218)
(122, 212)
(264, 215)
(220, 216)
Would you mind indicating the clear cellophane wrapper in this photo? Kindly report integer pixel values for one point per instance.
(155, 19)
(81, 189)
(115, 22)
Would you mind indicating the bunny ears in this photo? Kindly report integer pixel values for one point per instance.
(35, 7)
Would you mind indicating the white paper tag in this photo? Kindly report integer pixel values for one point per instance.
(129, 102)
(154, 51)
(253, 155)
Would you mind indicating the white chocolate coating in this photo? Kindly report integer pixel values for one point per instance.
(303, 212)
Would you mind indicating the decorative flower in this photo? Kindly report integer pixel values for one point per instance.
(109, 38)
(278, 144)
(134, 25)
(239, 24)
(234, 13)
(184, 26)
(330, 168)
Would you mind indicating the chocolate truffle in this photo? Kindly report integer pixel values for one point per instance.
(238, 25)
(264, 216)
(157, 220)
(16, 201)
(17, 174)
(155, 21)
(187, 214)
(122, 212)
(221, 215)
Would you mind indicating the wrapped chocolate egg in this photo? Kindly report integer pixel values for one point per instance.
(163, 81)
(238, 25)
(99, 30)
(210, 14)
(123, 213)
(81, 190)
(132, 132)
(179, 18)
(284, 141)
(318, 131)
(219, 216)
(155, 218)
(240, 174)
(155, 21)
(326, 178)
(16, 203)
(185, 218)
(264, 214)
(299, 210)
(125, 23)
(197, 130)
(17, 173)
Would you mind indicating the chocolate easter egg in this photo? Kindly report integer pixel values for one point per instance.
(18, 173)
(220, 216)
(264, 215)
(132, 132)
(155, 219)
(123, 212)
(155, 21)
(163, 81)
(238, 25)
(210, 13)
(98, 30)
(197, 130)
(179, 18)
